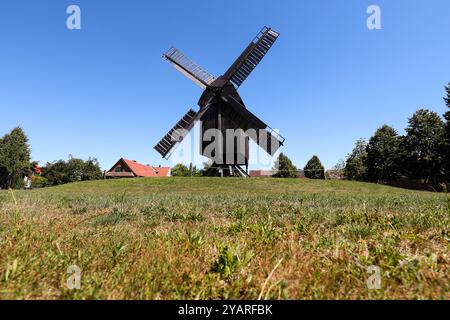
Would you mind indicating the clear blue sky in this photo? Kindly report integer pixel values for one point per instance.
(104, 91)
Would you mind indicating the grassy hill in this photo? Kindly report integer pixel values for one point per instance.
(224, 238)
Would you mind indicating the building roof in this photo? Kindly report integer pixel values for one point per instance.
(142, 170)
(120, 174)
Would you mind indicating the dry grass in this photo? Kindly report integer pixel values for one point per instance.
(206, 238)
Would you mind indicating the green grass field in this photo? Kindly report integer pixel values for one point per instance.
(208, 238)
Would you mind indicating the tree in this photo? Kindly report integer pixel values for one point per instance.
(314, 169)
(180, 170)
(383, 152)
(424, 145)
(56, 173)
(61, 172)
(447, 102)
(75, 169)
(14, 159)
(355, 165)
(285, 168)
(91, 170)
(446, 147)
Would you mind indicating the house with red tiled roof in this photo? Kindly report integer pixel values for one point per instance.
(125, 168)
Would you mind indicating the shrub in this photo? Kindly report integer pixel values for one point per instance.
(180, 170)
(38, 182)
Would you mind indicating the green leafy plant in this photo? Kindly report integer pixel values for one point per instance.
(229, 261)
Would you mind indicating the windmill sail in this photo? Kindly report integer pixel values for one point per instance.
(252, 56)
(191, 70)
(176, 134)
(264, 136)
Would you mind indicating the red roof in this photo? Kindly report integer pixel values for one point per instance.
(141, 170)
(261, 173)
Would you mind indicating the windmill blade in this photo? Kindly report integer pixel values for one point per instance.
(251, 57)
(267, 138)
(166, 145)
(191, 70)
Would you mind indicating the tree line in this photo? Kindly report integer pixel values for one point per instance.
(16, 165)
(422, 154)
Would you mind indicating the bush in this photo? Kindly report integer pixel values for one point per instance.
(180, 170)
(38, 182)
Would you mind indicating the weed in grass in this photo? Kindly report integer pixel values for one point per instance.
(151, 223)
(114, 217)
(16, 216)
(75, 205)
(194, 216)
(118, 250)
(239, 212)
(190, 239)
(10, 270)
(302, 227)
(266, 233)
(235, 228)
(357, 232)
(230, 260)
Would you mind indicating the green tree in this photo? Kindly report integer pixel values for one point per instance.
(446, 147)
(61, 172)
(92, 170)
(180, 170)
(75, 169)
(14, 159)
(285, 168)
(314, 169)
(56, 173)
(383, 155)
(355, 165)
(424, 144)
